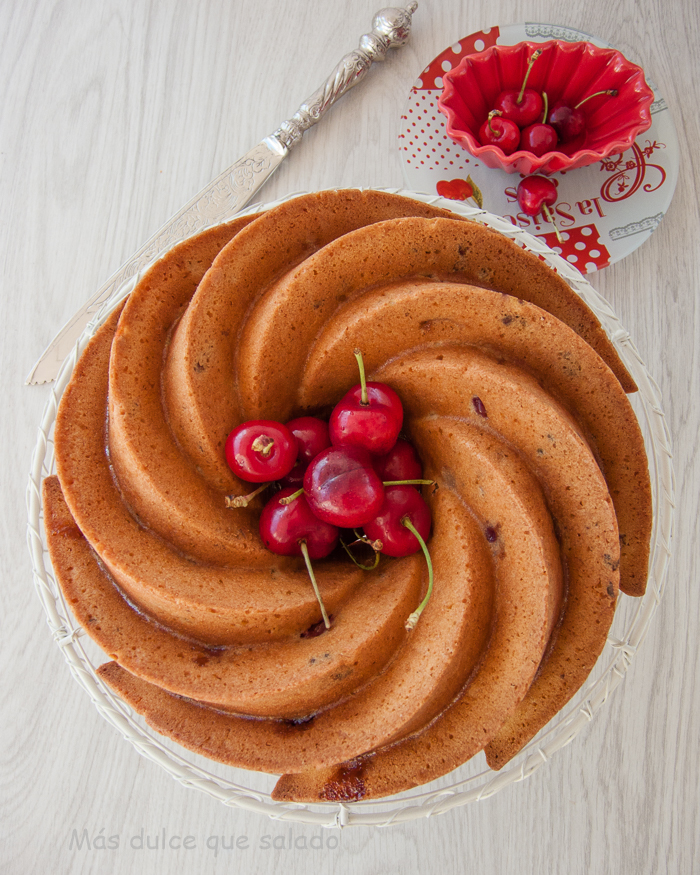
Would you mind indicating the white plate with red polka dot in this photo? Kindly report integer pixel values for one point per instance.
(603, 212)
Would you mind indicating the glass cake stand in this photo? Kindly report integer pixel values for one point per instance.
(474, 780)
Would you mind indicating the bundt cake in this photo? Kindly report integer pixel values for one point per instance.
(515, 401)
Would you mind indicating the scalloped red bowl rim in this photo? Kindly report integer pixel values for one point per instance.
(493, 156)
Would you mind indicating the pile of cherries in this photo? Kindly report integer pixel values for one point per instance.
(350, 473)
(522, 120)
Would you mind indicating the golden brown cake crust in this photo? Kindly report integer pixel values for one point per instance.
(515, 406)
(415, 314)
(291, 313)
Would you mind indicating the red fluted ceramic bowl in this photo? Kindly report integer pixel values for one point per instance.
(565, 71)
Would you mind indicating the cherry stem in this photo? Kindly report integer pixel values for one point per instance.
(546, 107)
(364, 399)
(377, 545)
(491, 115)
(244, 500)
(550, 218)
(612, 92)
(535, 56)
(413, 619)
(290, 498)
(359, 564)
(263, 444)
(305, 554)
(408, 482)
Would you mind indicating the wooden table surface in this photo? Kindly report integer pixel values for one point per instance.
(114, 113)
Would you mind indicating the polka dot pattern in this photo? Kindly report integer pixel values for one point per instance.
(424, 142)
(581, 247)
(477, 42)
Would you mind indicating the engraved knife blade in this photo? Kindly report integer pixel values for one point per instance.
(237, 185)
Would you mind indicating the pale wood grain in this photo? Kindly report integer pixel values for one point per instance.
(113, 115)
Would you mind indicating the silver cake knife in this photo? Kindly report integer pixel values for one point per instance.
(237, 185)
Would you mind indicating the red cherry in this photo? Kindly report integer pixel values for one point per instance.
(400, 502)
(534, 192)
(400, 463)
(284, 526)
(570, 121)
(404, 509)
(296, 475)
(342, 487)
(293, 530)
(538, 139)
(524, 113)
(501, 132)
(537, 193)
(369, 416)
(312, 436)
(261, 450)
(523, 106)
(567, 121)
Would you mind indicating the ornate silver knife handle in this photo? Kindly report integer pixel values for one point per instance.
(390, 28)
(236, 186)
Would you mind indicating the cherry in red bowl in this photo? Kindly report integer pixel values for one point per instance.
(567, 72)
